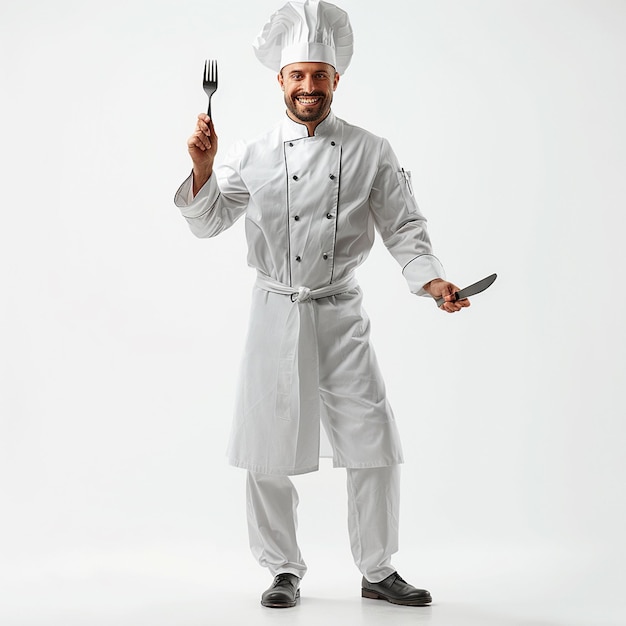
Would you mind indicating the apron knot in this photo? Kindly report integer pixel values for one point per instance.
(302, 295)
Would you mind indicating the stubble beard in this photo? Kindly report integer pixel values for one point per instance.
(309, 115)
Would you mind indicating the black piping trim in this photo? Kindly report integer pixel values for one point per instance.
(287, 212)
(417, 257)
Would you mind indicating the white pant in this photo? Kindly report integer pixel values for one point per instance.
(373, 506)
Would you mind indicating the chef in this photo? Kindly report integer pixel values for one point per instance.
(314, 190)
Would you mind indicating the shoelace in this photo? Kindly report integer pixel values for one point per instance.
(282, 578)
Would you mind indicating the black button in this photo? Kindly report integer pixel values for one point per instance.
(298, 258)
(332, 143)
(290, 145)
(332, 177)
(295, 177)
(324, 256)
(296, 217)
(329, 216)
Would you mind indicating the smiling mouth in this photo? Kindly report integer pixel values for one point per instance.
(308, 101)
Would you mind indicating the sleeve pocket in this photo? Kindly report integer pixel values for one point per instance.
(406, 186)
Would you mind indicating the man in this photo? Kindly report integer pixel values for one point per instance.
(313, 191)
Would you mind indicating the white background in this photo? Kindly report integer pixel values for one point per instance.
(120, 333)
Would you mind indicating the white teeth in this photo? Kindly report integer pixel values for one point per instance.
(308, 100)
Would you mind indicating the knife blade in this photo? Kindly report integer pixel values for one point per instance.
(471, 290)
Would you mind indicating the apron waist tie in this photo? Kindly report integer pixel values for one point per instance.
(304, 294)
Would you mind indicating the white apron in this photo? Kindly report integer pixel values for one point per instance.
(305, 360)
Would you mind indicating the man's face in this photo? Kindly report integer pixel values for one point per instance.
(308, 89)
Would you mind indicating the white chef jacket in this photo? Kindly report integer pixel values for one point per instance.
(312, 206)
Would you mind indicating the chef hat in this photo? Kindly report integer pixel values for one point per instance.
(306, 31)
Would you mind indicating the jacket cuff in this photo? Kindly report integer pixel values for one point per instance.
(191, 206)
(420, 271)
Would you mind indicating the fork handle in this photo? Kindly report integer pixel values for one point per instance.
(209, 109)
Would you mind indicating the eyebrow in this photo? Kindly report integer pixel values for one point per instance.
(301, 71)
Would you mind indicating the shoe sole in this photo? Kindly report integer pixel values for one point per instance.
(282, 605)
(373, 595)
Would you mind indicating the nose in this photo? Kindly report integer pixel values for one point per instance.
(307, 84)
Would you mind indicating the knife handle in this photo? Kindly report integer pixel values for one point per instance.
(440, 301)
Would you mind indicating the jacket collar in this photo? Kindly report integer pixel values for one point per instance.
(291, 130)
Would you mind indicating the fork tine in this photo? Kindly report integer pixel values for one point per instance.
(210, 71)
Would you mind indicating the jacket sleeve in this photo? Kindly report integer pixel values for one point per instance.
(401, 224)
(220, 202)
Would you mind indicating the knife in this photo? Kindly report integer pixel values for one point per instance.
(472, 290)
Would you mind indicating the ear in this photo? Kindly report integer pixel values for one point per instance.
(336, 80)
(281, 82)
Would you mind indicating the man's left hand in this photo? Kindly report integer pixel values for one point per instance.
(439, 288)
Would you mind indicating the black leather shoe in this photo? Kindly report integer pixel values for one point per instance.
(395, 590)
(283, 593)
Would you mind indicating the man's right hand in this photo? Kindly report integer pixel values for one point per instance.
(202, 147)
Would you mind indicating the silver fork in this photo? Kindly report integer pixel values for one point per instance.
(209, 80)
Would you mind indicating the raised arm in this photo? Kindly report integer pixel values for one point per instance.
(210, 201)
(202, 147)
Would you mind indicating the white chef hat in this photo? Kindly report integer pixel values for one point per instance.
(306, 31)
